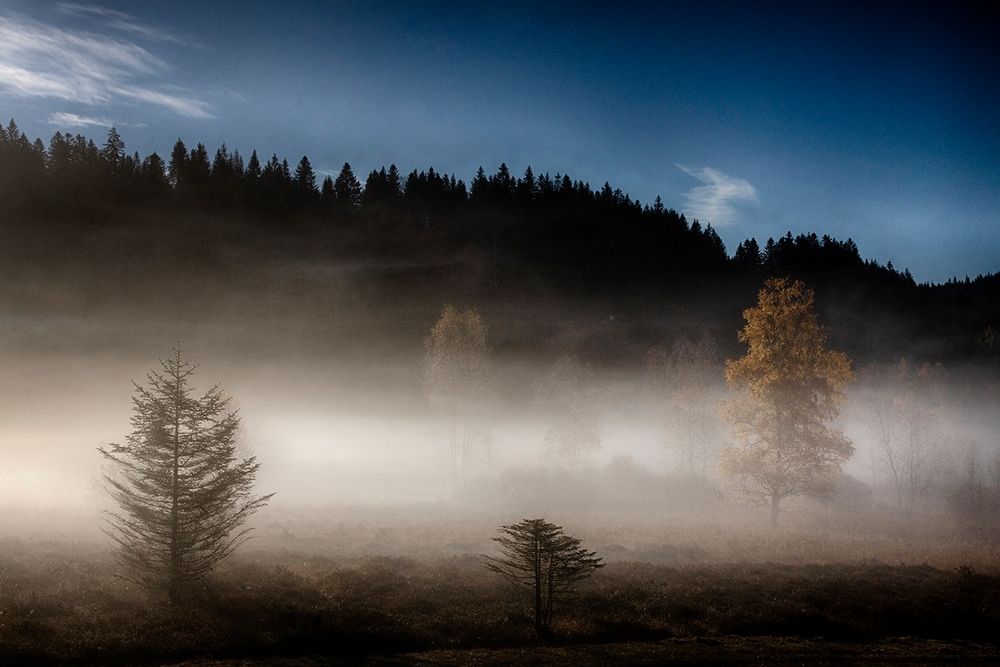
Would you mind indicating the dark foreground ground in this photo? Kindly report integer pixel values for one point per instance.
(63, 604)
(728, 650)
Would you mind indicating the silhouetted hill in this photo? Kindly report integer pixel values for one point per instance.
(551, 261)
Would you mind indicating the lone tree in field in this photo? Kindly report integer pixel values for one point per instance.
(539, 556)
(182, 493)
(792, 386)
(458, 380)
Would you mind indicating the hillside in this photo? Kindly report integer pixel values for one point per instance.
(97, 235)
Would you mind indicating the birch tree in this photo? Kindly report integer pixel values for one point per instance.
(458, 380)
(791, 387)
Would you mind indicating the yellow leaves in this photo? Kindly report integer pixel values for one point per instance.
(792, 386)
(786, 345)
(457, 358)
(457, 332)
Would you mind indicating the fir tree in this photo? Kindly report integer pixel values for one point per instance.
(177, 168)
(114, 148)
(182, 493)
(253, 168)
(347, 187)
(305, 177)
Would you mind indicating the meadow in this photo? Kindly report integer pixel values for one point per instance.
(409, 586)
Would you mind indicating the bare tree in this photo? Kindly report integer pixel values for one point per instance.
(905, 425)
(183, 496)
(458, 379)
(992, 425)
(883, 453)
(540, 557)
(989, 343)
(566, 397)
(995, 470)
(681, 382)
(916, 449)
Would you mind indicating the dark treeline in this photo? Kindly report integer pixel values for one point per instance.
(514, 235)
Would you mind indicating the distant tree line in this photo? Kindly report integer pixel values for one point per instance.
(522, 230)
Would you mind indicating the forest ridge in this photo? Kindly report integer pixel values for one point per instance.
(537, 229)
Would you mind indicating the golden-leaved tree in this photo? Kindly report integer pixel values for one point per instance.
(458, 380)
(791, 386)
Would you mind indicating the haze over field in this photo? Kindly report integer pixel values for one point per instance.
(590, 335)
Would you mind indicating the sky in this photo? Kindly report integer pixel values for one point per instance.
(878, 123)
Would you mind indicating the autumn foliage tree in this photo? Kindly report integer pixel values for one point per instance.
(458, 381)
(791, 388)
(183, 494)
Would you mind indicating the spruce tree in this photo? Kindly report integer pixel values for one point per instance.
(183, 494)
(305, 177)
(114, 148)
(327, 194)
(152, 173)
(199, 168)
(177, 167)
(253, 168)
(394, 183)
(347, 187)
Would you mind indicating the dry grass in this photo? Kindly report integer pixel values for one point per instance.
(61, 602)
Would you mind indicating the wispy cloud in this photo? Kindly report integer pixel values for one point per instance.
(119, 21)
(65, 119)
(716, 200)
(177, 102)
(42, 60)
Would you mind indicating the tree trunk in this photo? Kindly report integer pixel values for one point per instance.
(175, 551)
(775, 509)
(538, 589)
(550, 592)
(464, 462)
(453, 445)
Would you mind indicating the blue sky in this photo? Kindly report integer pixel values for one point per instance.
(879, 124)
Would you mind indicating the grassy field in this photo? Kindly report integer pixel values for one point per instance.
(61, 602)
